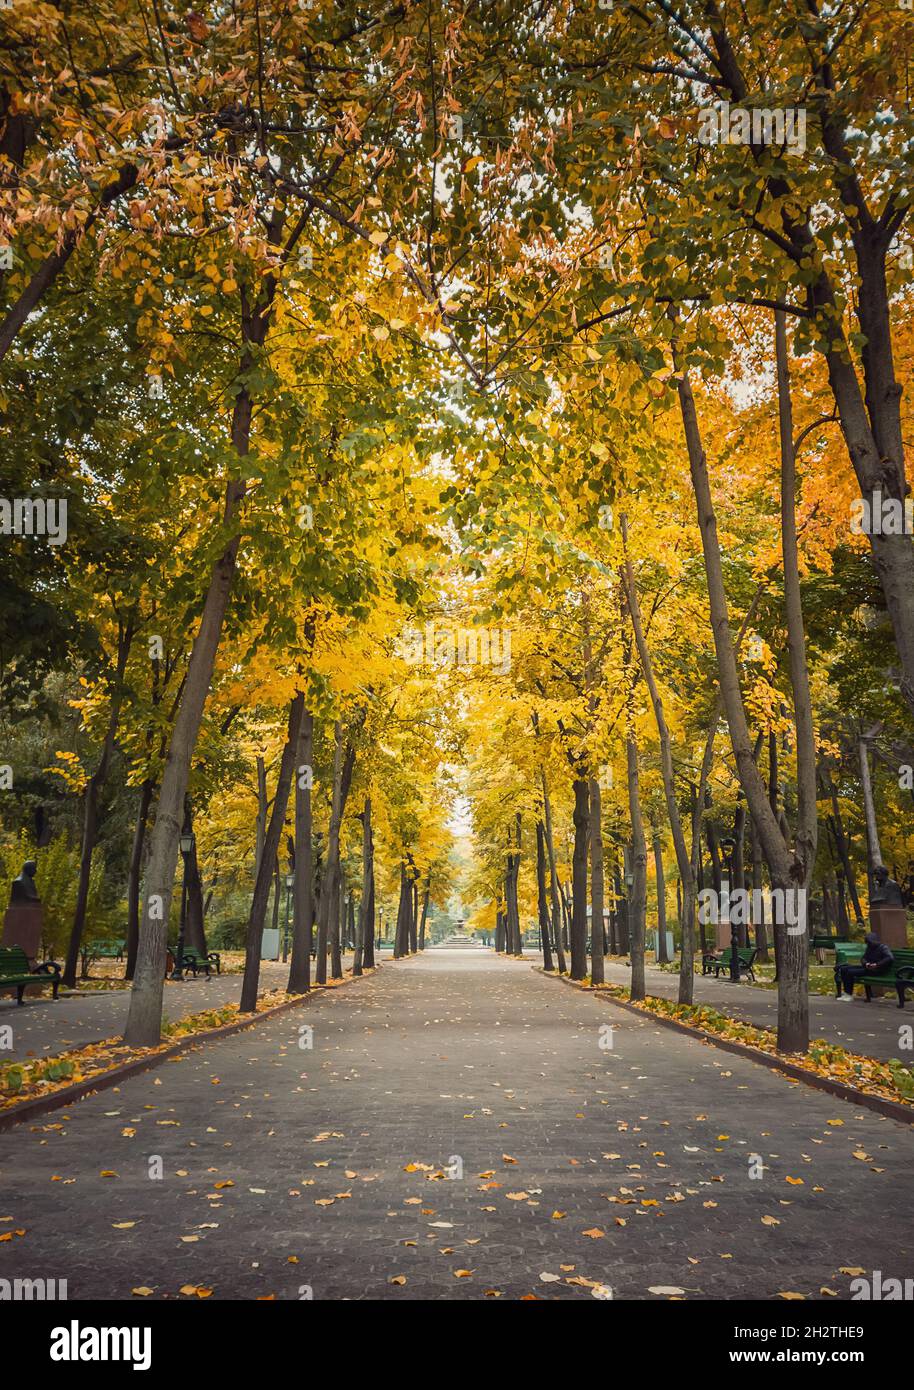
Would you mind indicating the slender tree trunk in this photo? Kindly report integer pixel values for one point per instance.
(366, 914)
(683, 858)
(663, 957)
(553, 877)
(413, 915)
(401, 935)
(271, 845)
(144, 1020)
(581, 820)
(342, 778)
(90, 808)
(425, 901)
(597, 973)
(303, 896)
(194, 934)
(263, 807)
(843, 848)
(761, 935)
(337, 911)
(788, 870)
(873, 849)
(542, 901)
(135, 873)
(793, 990)
(500, 931)
(638, 901)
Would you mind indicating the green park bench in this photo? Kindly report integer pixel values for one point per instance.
(195, 960)
(714, 961)
(16, 974)
(824, 941)
(900, 973)
(101, 950)
(109, 950)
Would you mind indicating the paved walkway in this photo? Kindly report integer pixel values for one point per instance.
(43, 1026)
(286, 1169)
(876, 1029)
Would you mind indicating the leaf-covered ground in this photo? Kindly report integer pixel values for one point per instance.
(586, 1167)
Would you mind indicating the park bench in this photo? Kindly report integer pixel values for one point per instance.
(100, 950)
(195, 960)
(16, 974)
(824, 941)
(900, 972)
(716, 962)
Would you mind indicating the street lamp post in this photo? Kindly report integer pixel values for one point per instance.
(290, 884)
(186, 844)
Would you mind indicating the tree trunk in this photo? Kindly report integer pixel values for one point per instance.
(553, 877)
(662, 953)
(254, 939)
(542, 901)
(683, 858)
(90, 808)
(413, 916)
(761, 935)
(789, 871)
(135, 873)
(337, 910)
(342, 778)
(144, 1020)
(401, 935)
(843, 848)
(597, 974)
(873, 848)
(425, 901)
(581, 821)
(194, 934)
(365, 931)
(303, 895)
(638, 901)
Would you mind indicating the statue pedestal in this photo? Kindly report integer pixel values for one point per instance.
(890, 924)
(22, 926)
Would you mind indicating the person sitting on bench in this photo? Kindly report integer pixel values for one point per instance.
(876, 959)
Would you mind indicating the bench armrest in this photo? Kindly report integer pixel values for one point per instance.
(47, 967)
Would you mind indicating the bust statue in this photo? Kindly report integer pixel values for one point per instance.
(886, 892)
(22, 889)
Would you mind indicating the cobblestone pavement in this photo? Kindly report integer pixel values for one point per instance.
(590, 1159)
(44, 1026)
(877, 1029)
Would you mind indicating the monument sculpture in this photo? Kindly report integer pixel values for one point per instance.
(888, 918)
(23, 923)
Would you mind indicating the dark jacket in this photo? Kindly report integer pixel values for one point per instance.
(877, 957)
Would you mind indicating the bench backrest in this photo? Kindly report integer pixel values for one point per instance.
(13, 961)
(903, 955)
(852, 954)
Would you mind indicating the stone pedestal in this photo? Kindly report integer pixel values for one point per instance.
(22, 926)
(723, 935)
(890, 924)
